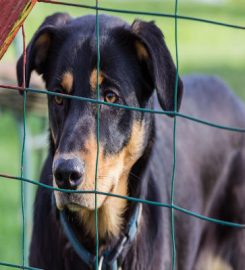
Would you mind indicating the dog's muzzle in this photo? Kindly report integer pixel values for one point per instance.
(68, 173)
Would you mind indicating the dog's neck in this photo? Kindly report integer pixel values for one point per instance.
(110, 215)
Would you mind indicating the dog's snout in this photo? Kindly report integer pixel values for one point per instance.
(68, 173)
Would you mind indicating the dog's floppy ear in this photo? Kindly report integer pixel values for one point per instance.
(152, 49)
(38, 48)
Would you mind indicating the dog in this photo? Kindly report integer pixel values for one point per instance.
(135, 155)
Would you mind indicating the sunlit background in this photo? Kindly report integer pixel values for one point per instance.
(202, 48)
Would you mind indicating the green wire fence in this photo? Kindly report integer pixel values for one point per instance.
(174, 113)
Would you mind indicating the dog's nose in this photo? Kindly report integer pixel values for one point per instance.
(68, 173)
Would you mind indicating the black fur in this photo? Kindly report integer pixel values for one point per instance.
(210, 162)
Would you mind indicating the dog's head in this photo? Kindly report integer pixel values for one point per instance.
(134, 60)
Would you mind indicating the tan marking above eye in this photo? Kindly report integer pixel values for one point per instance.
(93, 79)
(67, 81)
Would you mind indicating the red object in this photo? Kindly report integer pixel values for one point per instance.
(13, 14)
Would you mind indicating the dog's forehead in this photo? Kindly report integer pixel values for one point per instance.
(79, 66)
(82, 36)
(79, 60)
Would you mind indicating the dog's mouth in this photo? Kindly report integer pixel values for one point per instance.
(77, 201)
(73, 207)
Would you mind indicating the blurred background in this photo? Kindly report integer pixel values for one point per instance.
(202, 48)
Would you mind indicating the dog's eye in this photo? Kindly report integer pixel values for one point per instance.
(110, 97)
(58, 100)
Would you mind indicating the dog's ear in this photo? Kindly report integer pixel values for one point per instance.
(152, 49)
(38, 48)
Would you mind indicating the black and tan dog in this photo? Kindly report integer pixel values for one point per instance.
(135, 156)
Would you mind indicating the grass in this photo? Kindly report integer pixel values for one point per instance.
(203, 48)
(9, 191)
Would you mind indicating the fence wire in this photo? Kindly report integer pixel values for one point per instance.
(23, 242)
(172, 206)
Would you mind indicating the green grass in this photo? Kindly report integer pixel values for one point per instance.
(9, 190)
(10, 160)
(203, 48)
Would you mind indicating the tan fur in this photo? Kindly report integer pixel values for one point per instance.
(43, 40)
(67, 81)
(112, 177)
(53, 136)
(111, 212)
(109, 180)
(209, 261)
(110, 215)
(93, 79)
(42, 45)
(141, 51)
